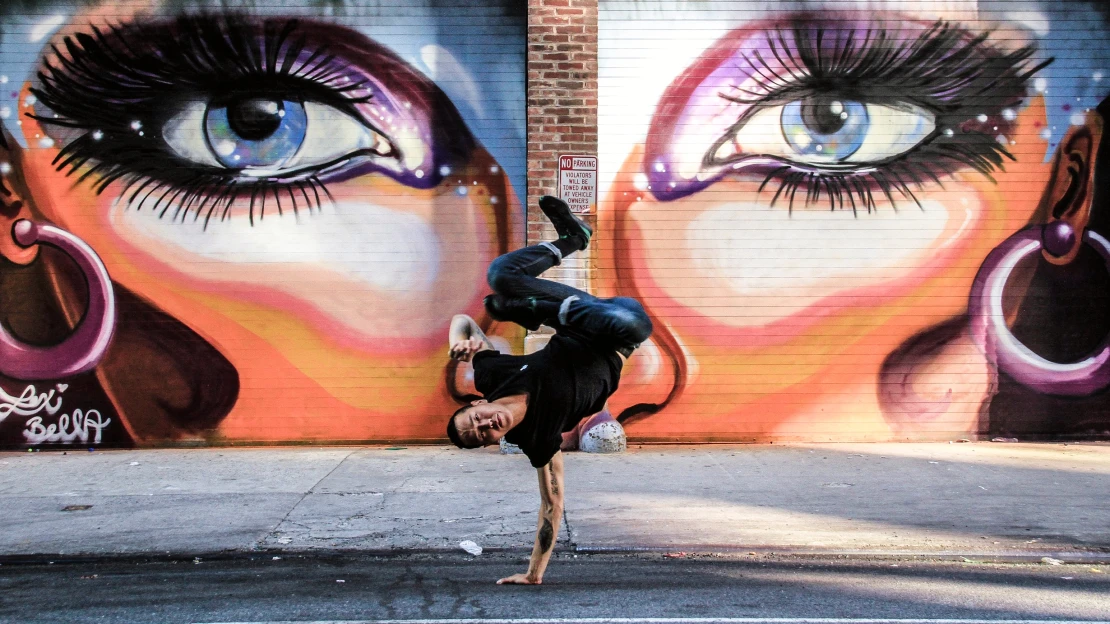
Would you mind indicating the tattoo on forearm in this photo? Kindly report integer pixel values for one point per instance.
(547, 534)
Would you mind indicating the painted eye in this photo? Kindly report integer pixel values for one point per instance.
(265, 136)
(824, 130)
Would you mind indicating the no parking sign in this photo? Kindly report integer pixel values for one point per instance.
(578, 182)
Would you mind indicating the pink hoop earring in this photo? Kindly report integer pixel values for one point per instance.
(988, 323)
(84, 348)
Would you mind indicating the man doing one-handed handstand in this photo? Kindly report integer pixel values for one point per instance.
(530, 400)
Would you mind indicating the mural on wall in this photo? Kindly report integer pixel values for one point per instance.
(857, 222)
(249, 222)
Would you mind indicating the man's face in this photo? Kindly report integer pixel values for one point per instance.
(286, 181)
(483, 423)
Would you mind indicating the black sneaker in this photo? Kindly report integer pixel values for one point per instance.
(519, 310)
(566, 224)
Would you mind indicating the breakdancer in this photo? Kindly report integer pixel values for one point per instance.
(530, 400)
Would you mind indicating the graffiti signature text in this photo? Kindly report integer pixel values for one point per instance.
(68, 428)
(29, 403)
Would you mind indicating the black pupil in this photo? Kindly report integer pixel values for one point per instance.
(823, 114)
(255, 119)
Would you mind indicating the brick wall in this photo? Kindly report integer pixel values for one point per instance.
(562, 107)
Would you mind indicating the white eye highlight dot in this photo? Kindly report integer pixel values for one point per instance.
(949, 132)
(5, 112)
(1078, 119)
(461, 191)
(1046, 134)
(30, 100)
(97, 135)
(1009, 114)
(640, 182)
(3, 80)
(660, 167)
(981, 118)
(418, 173)
(46, 142)
(493, 200)
(225, 148)
(1040, 85)
(494, 169)
(136, 125)
(444, 170)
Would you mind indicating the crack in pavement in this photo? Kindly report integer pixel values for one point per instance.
(277, 527)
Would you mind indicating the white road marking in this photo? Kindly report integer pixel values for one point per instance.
(678, 621)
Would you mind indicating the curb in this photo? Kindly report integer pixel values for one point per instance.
(1094, 556)
(1088, 557)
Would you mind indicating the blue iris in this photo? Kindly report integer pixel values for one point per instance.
(825, 127)
(255, 132)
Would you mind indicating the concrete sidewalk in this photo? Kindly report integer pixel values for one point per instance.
(976, 500)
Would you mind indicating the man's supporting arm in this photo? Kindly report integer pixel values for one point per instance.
(466, 338)
(551, 514)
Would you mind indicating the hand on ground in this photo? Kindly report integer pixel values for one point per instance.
(519, 579)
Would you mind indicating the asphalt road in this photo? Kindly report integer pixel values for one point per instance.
(640, 587)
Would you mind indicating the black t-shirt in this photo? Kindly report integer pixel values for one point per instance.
(565, 381)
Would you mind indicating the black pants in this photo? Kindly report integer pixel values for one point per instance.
(619, 323)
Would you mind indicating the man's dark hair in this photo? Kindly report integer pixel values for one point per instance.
(453, 431)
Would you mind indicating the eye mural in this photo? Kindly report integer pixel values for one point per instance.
(847, 225)
(825, 104)
(236, 223)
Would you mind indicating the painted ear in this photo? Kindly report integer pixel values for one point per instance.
(13, 208)
(1070, 190)
(478, 401)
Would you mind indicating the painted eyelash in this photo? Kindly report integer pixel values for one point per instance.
(938, 70)
(854, 190)
(105, 82)
(934, 69)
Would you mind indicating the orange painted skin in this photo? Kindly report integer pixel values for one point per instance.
(808, 359)
(333, 338)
